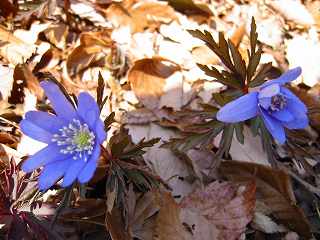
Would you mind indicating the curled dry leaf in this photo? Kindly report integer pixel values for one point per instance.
(224, 206)
(148, 79)
(93, 47)
(273, 189)
(14, 49)
(141, 15)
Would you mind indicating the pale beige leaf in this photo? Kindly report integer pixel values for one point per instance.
(293, 10)
(162, 161)
(6, 76)
(296, 56)
(227, 207)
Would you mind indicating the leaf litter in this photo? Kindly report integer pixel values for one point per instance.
(159, 71)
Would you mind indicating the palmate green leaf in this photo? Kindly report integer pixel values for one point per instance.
(264, 72)
(253, 36)
(224, 77)
(239, 132)
(220, 49)
(100, 90)
(253, 63)
(239, 63)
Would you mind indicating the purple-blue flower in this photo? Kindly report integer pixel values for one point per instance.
(277, 106)
(73, 137)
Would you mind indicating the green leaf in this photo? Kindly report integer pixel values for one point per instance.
(213, 72)
(261, 76)
(100, 90)
(238, 61)
(253, 36)
(109, 120)
(254, 61)
(239, 132)
(255, 125)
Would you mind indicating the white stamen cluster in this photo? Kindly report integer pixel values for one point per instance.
(76, 138)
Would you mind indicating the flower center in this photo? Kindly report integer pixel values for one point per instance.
(76, 138)
(278, 102)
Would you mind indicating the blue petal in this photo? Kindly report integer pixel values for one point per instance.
(298, 123)
(73, 170)
(241, 109)
(43, 157)
(88, 171)
(288, 76)
(52, 173)
(298, 103)
(283, 115)
(265, 102)
(300, 117)
(269, 91)
(44, 120)
(274, 127)
(100, 132)
(60, 104)
(35, 132)
(88, 109)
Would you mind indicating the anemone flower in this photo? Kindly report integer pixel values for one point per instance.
(73, 138)
(278, 107)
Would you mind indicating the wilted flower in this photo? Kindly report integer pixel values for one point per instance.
(73, 137)
(277, 105)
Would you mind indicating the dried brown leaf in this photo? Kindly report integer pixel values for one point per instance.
(273, 189)
(148, 77)
(140, 15)
(227, 207)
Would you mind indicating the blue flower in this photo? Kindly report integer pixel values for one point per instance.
(277, 106)
(73, 137)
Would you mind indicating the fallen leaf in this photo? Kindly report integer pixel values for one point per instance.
(265, 224)
(148, 78)
(162, 161)
(93, 47)
(87, 10)
(310, 51)
(227, 207)
(273, 189)
(251, 150)
(191, 7)
(6, 83)
(141, 15)
(293, 10)
(168, 223)
(14, 49)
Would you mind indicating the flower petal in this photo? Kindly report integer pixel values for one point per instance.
(44, 156)
(88, 171)
(269, 91)
(241, 109)
(73, 170)
(274, 127)
(88, 109)
(100, 132)
(298, 123)
(283, 115)
(300, 117)
(52, 173)
(35, 132)
(298, 103)
(44, 120)
(265, 102)
(60, 104)
(288, 76)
